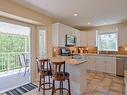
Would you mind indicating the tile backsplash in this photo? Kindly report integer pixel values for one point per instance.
(121, 50)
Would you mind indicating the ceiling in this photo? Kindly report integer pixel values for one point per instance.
(96, 12)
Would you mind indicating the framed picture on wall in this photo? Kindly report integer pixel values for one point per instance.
(70, 40)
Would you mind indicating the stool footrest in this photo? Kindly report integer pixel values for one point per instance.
(47, 88)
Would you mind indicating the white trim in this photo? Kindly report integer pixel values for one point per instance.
(19, 18)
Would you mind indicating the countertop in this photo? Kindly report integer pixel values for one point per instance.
(69, 60)
(125, 75)
(95, 54)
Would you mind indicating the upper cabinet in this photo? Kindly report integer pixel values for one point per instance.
(91, 38)
(122, 36)
(88, 38)
(83, 38)
(59, 31)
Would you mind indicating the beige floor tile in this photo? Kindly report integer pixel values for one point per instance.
(98, 93)
(108, 76)
(102, 89)
(118, 80)
(97, 84)
(98, 77)
(115, 93)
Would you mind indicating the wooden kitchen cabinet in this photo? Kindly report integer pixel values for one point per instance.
(77, 34)
(100, 64)
(83, 38)
(59, 31)
(88, 38)
(91, 38)
(111, 65)
(106, 64)
(122, 37)
(91, 62)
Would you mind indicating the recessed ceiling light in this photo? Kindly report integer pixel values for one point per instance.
(76, 14)
(89, 23)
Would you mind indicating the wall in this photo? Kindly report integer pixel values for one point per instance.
(21, 11)
(15, 9)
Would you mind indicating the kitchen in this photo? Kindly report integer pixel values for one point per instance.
(89, 36)
(107, 62)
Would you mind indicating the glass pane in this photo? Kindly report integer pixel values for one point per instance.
(42, 43)
(107, 42)
(14, 40)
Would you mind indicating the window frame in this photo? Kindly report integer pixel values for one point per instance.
(102, 33)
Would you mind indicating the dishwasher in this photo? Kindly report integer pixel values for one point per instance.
(120, 62)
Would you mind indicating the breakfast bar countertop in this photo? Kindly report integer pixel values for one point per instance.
(69, 59)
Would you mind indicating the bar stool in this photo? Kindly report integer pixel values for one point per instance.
(44, 70)
(60, 75)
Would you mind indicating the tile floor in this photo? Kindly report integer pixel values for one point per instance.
(98, 84)
(104, 84)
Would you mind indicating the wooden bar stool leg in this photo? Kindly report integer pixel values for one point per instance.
(69, 88)
(62, 87)
(49, 80)
(44, 85)
(53, 88)
(40, 83)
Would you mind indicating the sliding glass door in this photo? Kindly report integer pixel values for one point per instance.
(15, 53)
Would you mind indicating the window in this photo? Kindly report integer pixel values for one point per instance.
(107, 41)
(42, 42)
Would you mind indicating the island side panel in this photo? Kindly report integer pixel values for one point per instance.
(77, 78)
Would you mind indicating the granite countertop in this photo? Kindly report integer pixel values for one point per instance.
(125, 75)
(68, 60)
(108, 55)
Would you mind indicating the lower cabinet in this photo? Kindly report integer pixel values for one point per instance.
(102, 64)
(91, 62)
(111, 65)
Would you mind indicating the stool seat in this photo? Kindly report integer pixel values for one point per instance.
(46, 72)
(61, 76)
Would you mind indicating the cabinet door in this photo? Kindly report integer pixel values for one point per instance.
(111, 65)
(83, 38)
(91, 62)
(91, 35)
(58, 34)
(88, 62)
(77, 34)
(100, 64)
(122, 36)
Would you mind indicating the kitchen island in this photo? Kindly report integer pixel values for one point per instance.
(77, 70)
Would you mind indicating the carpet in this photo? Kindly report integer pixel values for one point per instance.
(21, 90)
